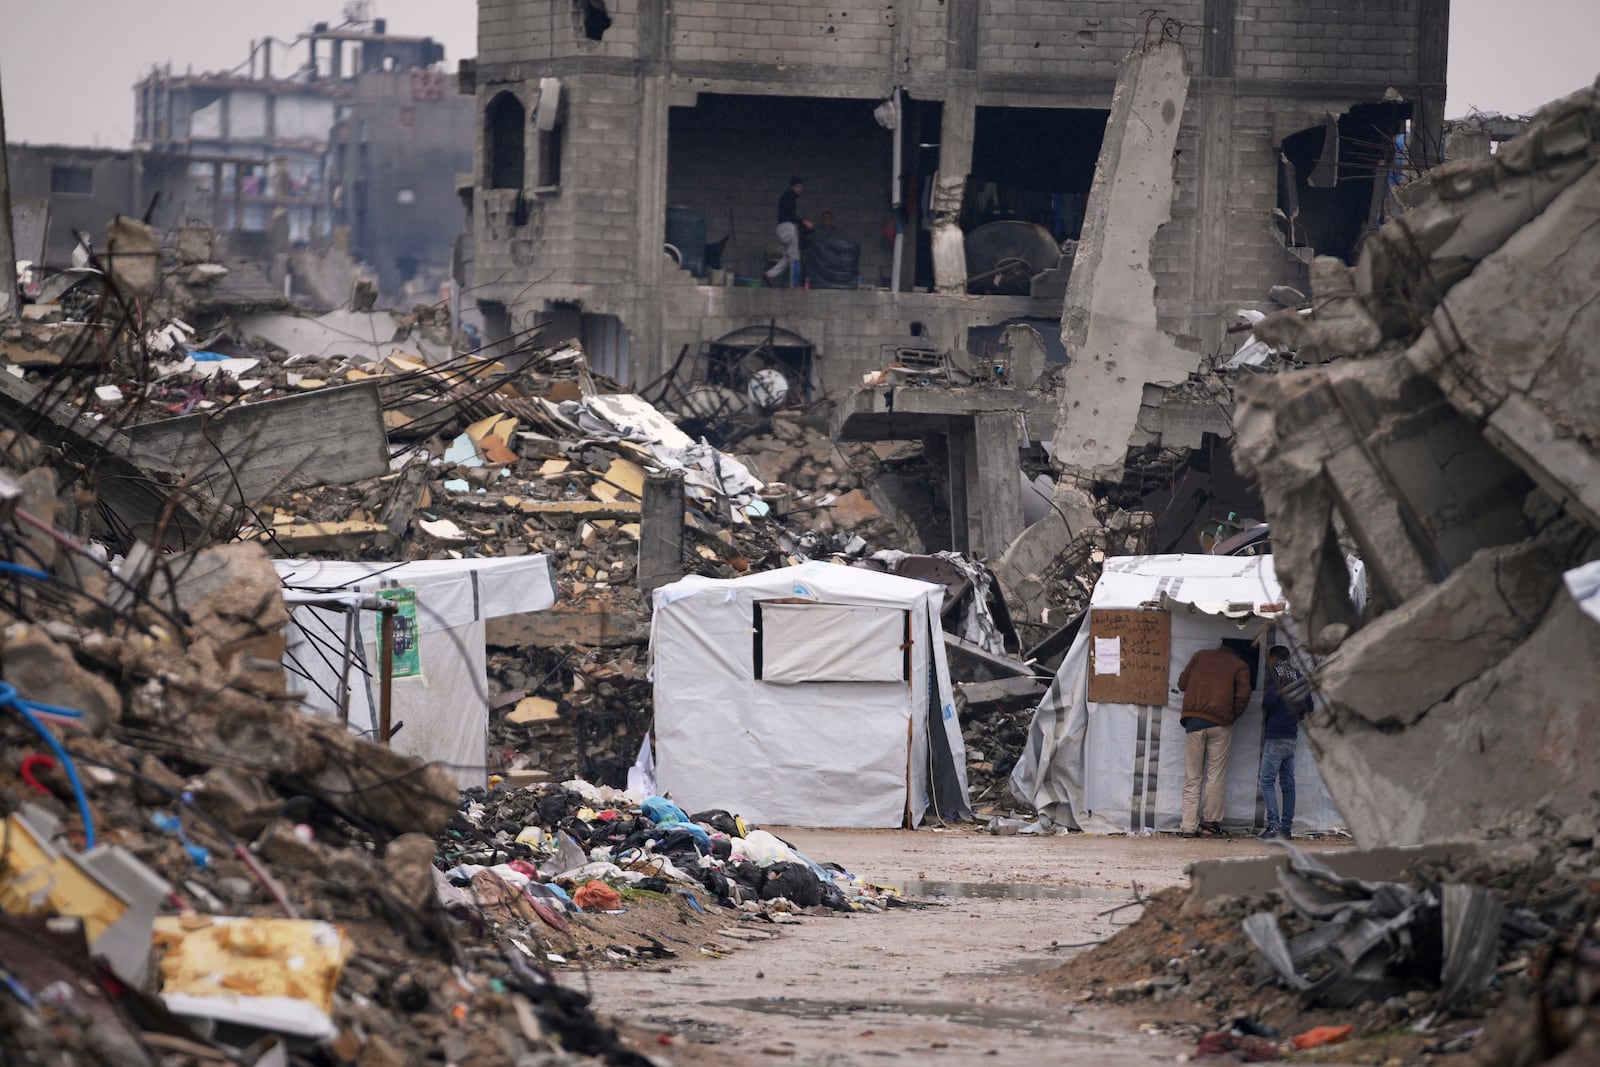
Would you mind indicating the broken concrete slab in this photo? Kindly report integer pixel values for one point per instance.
(1257, 876)
(1413, 482)
(1448, 773)
(229, 593)
(1458, 456)
(150, 499)
(1522, 356)
(247, 451)
(369, 335)
(1109, 321)
(1397, 668)
(349, 535)
(44, 345)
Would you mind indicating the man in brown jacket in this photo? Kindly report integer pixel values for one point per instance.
(1216, 688)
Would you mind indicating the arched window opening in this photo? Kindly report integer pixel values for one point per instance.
(503, 123)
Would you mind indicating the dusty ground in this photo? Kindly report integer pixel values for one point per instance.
(949, 984)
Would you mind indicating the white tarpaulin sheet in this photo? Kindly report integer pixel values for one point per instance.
(1118, 768)
(443, 712)
(1584, 585)
(832, 643)
(808, 753)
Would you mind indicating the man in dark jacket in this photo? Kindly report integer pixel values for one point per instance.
(1216, 689)
(790, 225)
(1284, 704)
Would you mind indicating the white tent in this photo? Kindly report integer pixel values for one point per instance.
(442, 713)
(815, 695)
(1116, 765)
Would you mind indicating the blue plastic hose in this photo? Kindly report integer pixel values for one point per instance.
(9, 698)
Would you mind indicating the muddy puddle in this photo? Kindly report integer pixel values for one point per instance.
(933, 890)
(963, 1013)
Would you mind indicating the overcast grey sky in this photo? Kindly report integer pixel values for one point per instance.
(69, 65)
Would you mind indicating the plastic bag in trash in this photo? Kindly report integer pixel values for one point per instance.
(660, 809)
(722, 822)
(597, 896)
(794, 881)
(761, 847)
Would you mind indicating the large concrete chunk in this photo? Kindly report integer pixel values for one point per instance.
(1109, 321)
(1415, 485)
(1513, 737)
(1460, 459)
(1518, 342)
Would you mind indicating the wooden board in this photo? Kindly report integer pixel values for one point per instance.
(1144, 647)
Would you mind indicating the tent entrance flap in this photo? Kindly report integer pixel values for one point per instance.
(947, 798)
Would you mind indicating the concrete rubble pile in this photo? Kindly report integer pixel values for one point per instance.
(438, 455)
(1456, 455)
(1480, 953)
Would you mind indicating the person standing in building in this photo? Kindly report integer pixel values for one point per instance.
(790, 223)
(1216, 688)
(1284, 704)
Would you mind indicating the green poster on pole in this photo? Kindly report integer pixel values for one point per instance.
(405, 657)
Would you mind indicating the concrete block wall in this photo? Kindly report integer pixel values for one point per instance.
(585, 229)
(1046, 37)
(1220, 251)
(522, 31)
(833, 33)
(1374, 41)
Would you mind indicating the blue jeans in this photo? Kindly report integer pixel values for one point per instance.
(1277, 766)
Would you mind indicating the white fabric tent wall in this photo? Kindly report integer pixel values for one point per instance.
(444, 710)
(811, 753)
(1118, 768)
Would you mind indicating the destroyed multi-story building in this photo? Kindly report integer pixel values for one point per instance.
(357, 127)
(611, 130)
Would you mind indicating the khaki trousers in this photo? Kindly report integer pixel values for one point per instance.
(1205, 752)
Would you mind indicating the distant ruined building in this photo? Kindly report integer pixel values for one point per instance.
(350, 136)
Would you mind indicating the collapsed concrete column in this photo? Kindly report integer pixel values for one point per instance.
(661, 531)
(950, 187)
(999, 486)
(1109, 321)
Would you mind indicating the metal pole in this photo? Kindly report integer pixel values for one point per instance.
(386, 674)
(344, 674)
(10, 302)
(896, 201)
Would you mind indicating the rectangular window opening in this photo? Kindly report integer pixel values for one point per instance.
(74, 181)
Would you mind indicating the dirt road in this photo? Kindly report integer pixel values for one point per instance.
(948, 984)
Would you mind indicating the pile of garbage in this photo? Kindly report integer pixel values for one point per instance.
(545, 852)
(1485, 951)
